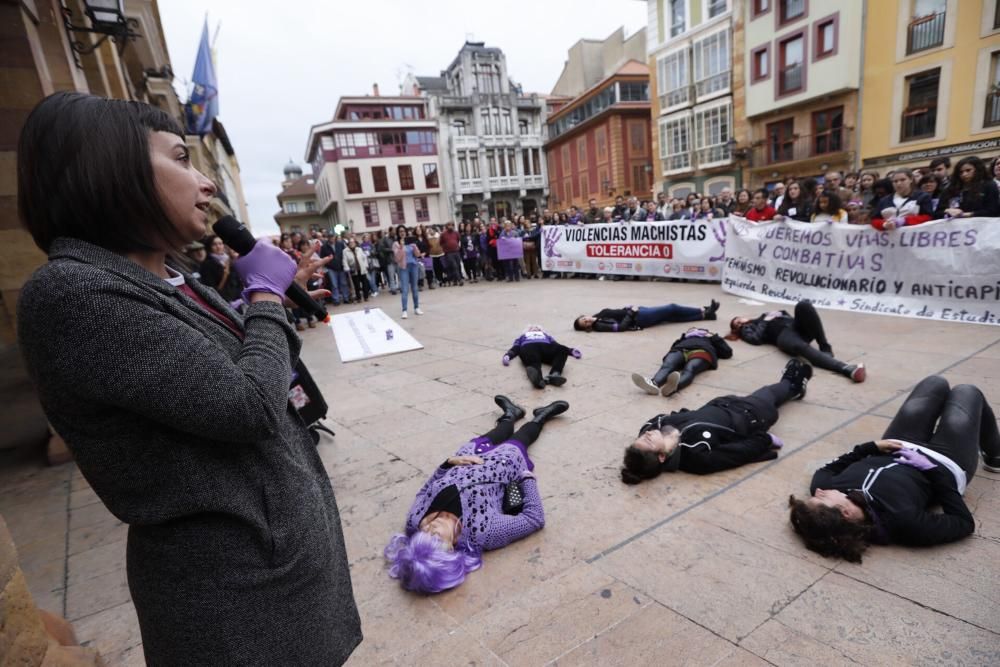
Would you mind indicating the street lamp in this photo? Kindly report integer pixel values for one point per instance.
(107, 18)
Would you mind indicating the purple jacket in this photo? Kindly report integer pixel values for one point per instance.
(481, 488)
(528, 338)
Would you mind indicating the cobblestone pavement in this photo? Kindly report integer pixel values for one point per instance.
(679, 570)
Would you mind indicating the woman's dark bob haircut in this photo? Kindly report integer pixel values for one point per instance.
(84, 172)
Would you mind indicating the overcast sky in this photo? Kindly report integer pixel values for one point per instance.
(282, 66)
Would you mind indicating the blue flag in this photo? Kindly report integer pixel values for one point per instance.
(203, 104)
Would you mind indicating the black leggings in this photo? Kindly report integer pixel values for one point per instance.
(794, 340)
(361, 286)
(674, 361)
(776, 394)
(504, 431)
(471, 267)
(967, 423)
(536, 354)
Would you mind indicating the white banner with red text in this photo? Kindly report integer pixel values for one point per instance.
(675, 249)
(946, 270)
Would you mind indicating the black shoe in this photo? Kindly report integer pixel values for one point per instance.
(710, 310)
(991, 463)
(535, 376)
(555, 379)
(547, 412)
(797, 372)
(511, 411)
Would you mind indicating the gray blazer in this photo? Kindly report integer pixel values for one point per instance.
(235, 550)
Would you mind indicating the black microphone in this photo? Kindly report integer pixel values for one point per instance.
(236, 235)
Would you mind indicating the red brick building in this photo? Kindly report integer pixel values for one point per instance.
(599, 142)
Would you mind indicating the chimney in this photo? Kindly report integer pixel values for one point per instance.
(375, 89)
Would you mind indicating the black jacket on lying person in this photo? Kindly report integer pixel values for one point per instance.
(899, 496)
(615, 319)
(715, 345)
(726, 432)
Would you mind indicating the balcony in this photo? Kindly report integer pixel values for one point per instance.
(504, 183)
(776, 150)
(992, 107)
(677, 162)
(713, 84)
(533, 181)
(467, 185)
(456, 102)
(918, 123)
(465, 141)
(790, 79)
(925, 32)
(355, 152)
(712, 156)
(676, 97)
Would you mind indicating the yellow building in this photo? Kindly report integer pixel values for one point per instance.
(931, 82)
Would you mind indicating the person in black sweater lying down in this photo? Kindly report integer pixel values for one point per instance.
(633, 318)
(695, 351)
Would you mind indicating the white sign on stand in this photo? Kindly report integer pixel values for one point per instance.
(363, 334)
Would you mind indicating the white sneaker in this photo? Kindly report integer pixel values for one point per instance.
(404, 314)
(670, 386)
(418, 311)
(644, 383)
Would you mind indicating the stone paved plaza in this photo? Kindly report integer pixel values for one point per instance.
(680, 570)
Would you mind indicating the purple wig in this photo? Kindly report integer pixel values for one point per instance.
(423, 564)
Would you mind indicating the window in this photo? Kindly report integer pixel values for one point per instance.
(291, 207)
(791, 71)
(640, 178)
(565, 158)
(512, 161)
(431, 176)
(712, 128)
(996, 17)
(601, 138)
(310, 206)
(633, 92)
(526, 162)
(485, 114)
(458, 128)
(675, 144)
(826, 37)
(926, 28)
(507, 127)
(396, 215)
(370, 209)
(919, 119)
(673, 78)
(716, 7)
(491, 163)
(474, 163)
(423, 213)
(581, 152)
(463, 166)
(760, 63)
(678, 9)
(637, 137)
(536, 161)
(523, 127)
(789, 10)
(780, 140)
(758, 7)
(993, 92)
(352, 177)
(381, 179)
(828, 135)
(405, 177)
(712, 63)
(501, 162)
(584, 187)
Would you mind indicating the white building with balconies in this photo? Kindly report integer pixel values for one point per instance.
(490, 134)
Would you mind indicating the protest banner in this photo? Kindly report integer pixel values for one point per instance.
(946, 270)
(509, 248)
(673, 249)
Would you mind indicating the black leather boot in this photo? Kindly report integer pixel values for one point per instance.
(555, 378)
(547, 412)
(511, 411)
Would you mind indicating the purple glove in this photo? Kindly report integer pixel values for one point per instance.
(776, 442)
(506, 360)
(266, 268)
(577, 354)
(912, 457)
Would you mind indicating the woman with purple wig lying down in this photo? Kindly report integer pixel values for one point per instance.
(459, 511)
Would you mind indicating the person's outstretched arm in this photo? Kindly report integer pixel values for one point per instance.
(929, 528)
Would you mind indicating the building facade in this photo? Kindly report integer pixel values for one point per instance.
(598, 144)
(377, 164)
(38, 60)
(299, 211)
(931, 82)
(803, 71)
(695, 49)
(490, 135)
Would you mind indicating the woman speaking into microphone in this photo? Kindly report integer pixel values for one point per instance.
(235, 550)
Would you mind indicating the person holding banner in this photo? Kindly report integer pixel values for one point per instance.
(633, 318)
(465, 508)
(882, 491)
(907, 205)
(793, 335)
(510, 250)
(535, 347)
(970, 192)
(726, 432)
(697, 350)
